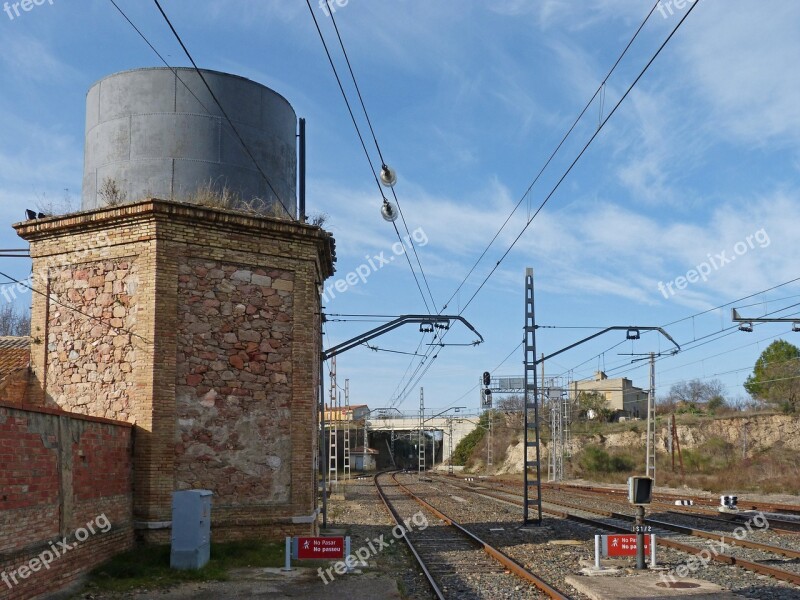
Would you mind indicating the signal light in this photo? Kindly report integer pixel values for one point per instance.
(640, 490)
(487, 378)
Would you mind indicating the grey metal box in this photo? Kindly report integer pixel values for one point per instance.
(191, 529)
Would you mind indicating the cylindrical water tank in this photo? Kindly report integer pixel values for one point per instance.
(158, 133)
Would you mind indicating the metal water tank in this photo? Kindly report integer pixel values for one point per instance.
(158, 133)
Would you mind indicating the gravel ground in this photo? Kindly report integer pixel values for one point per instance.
(763, 536)
(738, 580)
(360, 510)
(551, 551)
(462, 569)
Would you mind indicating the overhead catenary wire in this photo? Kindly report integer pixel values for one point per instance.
(159, 55)
(556, 150)
(380, 155)
(233, 127)
(363, 143)
(555, 188)
(699, 314)
(582, 152)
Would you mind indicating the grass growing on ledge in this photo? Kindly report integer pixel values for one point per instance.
(148, 566)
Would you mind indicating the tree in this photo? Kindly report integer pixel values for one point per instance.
(13, 322)
(593, 405)
(776, 377)
(696, 392)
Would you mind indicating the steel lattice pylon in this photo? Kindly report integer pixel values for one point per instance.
(532, 470)
(554, 392)
(421, 463)
(347, 424)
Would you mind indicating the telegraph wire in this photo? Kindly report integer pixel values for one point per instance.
(477, 385)
(582, 152)
(377, 349)
(701, 313)
(222, 110)
(363, 143)
(380, 155)
(54, 300)
(575, 161)
(157, 53)
(558, 147)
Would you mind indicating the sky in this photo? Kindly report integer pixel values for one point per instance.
(685, 200)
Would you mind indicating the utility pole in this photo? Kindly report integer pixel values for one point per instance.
(489, 454)
(421, 449)
(333, 464)
(651, 422)
(531, 468)
(450, 446)
(321, 440)
(347, 425)
(676, 444)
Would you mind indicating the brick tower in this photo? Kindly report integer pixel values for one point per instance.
(200, 326)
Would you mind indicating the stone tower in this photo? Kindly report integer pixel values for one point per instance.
(201, 327)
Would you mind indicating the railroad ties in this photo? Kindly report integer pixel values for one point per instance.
(456, 562)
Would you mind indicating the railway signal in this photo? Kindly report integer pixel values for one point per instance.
(640, 493)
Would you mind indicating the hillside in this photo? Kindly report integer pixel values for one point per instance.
(743, 452)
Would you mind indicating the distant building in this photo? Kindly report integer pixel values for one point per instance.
(625, 399)
(356, 412)
(364, 459)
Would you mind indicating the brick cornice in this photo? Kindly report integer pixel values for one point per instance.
(167, 211)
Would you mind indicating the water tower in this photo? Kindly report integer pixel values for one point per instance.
(199, 325)
(158, 133)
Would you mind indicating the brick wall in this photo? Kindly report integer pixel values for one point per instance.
(62, 476)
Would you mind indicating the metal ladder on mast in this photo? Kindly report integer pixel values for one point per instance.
(532, 470)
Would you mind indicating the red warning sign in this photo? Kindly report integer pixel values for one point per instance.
(623, 545)
(323, 548)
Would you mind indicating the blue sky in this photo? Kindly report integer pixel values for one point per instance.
(468, 100)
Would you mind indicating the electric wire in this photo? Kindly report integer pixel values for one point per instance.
(380, 155)
(570, 168)
(582, 152)
(363, 143)
(698, 314)
(157, 53)
(222, 110)
(555, 152)
(51, 298)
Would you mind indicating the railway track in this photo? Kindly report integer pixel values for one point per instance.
(771, 507)
(777, 524)
(677, 537)
(455, 561)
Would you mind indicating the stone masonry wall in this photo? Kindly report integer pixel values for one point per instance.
(90, 359)
(234, 379)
